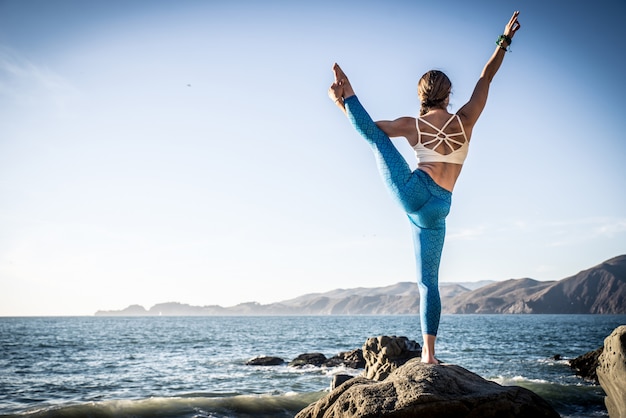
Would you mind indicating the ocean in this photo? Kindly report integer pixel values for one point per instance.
(195, 366)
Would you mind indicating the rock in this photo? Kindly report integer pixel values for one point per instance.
(425, 390)
(385, 354)
(265, 361)
(312, 359)
(339, 379)
(612, 372)
(585, 365)
(351, 359)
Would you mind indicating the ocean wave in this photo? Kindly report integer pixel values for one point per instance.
(239, 406)
(570, 400)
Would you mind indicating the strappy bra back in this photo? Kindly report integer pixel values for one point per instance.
(439, 146)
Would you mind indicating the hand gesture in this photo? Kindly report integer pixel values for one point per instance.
(513, 26)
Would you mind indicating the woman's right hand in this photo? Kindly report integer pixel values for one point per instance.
(335, 92)
(513, 25)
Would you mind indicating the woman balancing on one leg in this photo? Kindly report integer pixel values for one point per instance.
(440, 141)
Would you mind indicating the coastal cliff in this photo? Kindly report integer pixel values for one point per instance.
(598, 290)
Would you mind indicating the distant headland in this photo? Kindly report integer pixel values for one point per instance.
(597, 290)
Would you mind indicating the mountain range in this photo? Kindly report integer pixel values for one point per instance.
(598, 290)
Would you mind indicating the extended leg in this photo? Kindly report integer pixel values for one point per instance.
(393, 167)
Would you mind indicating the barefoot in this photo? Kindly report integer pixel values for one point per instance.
(342, 80)
(428, 357)
(430, 360)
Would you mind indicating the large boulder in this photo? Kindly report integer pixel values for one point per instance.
(385, 354)
(612, 372)
(426, 390)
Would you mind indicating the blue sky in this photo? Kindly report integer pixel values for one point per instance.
(155, 151)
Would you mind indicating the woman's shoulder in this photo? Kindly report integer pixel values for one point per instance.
(406, 121)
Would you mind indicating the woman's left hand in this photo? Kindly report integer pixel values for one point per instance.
(513, 26)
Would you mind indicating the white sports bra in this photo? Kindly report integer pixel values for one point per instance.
(426, 149)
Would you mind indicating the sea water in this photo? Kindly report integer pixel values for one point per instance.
(195, 366)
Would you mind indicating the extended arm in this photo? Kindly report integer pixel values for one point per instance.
(472, 109)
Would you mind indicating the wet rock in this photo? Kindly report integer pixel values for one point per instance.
(351, 359)
(265, 361)
(308, 359)
(585, 366)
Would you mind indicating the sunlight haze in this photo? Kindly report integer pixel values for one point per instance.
(155, 151)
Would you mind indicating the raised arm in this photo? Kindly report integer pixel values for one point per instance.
(474, 107)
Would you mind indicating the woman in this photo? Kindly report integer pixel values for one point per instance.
(440, 140)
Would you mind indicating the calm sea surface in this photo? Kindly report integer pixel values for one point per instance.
(195, 366)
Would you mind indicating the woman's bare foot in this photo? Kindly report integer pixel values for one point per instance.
(342, 80)
(429, 358)
(428, 349)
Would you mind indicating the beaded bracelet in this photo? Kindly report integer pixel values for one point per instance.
(504, 38)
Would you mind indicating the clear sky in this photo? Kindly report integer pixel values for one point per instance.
(156, 151)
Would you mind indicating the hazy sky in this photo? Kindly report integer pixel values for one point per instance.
(155, 151)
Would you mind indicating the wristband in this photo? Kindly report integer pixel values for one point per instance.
(504, 38)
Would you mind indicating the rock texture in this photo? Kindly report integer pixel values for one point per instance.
(425, 390)
(612, 372)
(385, 354)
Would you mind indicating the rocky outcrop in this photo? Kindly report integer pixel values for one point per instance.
(265, 361)
(612, 372)
(349, 359)
(585, 366)
(425, 390)
(385, 354)
(396, 384)
(308, 359)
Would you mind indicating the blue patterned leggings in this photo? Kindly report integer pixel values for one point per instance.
(426, 203)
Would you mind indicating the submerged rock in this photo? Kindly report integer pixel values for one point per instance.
(425, 390)
(612, 372)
